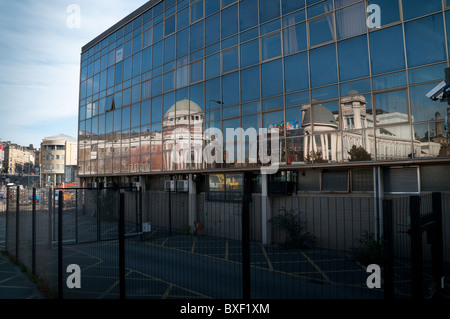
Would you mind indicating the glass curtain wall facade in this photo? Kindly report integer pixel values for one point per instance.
(338, 90)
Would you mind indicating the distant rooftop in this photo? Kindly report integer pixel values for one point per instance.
(60, 137)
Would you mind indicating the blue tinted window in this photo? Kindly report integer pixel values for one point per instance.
(197, 11)
(230, 88)
(147, 59)
(136, 69)
(197, 94)
(417, 8)
(136, 93)
(269, 9)
(289, 5)
(423, 108)
(118, 74)
(294, 39)
(212, 92)
(196, 36)
(230, 59)
(212, 29)
(158, 32)
(250, 84)
(157, 109)
(183, 19)
(127, 68)
(212, 6)
(425, 41)
(212, 66)
(321, 30)
(321, 8)
(169, 25)
(353, 58)
(148, 37)
(183, 42)
(145, 112)
(351, 21)
(389, 81)
(272, 78)
(386, 49)
(249, 53)
(169, 81)
(360, 86)
(294, 18)
(325, 93)
(182, 76)
(197, 71)
(126, 118)
(157, 54)
(296, 73)
(229, 21)
(169, 48)
(390, 11)
(388, 103)
(271, 46)
(248, 11)
(323, 65)
(425, 74)
(157, 85)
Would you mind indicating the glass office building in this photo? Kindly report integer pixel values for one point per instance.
(344, 81)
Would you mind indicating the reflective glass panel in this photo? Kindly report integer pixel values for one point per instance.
(272, 78)
(417, 8)
(351, 21)
(294, 39)
(425, 41)
(321, 30)
(212, 29)
(391, 107)
(423, 108)
(353, 58)
(229, 21)
(386, 49)
(323, 65)
(230, 88)
(249, 53)
(248, 13)
(296, 72)
(268, 10)
(250, 84)
(271, 46)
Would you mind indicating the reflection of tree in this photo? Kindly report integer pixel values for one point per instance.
(445, 150)
(316, 157)
(359, 154)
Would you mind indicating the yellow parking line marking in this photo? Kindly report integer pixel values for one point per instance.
(167, 292)
(269, 263)
(317, 267)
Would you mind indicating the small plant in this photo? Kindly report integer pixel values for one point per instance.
(289, 220)
(187, 229)
(370, 250)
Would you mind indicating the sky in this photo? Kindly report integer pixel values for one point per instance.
(40, 47)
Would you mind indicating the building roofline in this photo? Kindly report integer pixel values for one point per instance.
(120, 24)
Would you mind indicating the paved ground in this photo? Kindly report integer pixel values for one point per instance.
(14, 283)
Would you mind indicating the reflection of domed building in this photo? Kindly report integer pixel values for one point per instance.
(183, 127)
(324, 142)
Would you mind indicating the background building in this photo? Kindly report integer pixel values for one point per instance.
(59, 158)
(19, 159)
(349, 99)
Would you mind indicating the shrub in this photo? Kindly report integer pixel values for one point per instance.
(290, 221)
(370, 250)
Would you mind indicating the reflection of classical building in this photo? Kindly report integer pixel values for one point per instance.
(325, 142)
(183, 127)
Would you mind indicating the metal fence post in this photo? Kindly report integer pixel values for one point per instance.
(388, 249)
(33, 231)
(416, 249)
(7, 218)
(437, 247)
(17, 221)
(60, 251)
(122, 245)
(247, 198)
